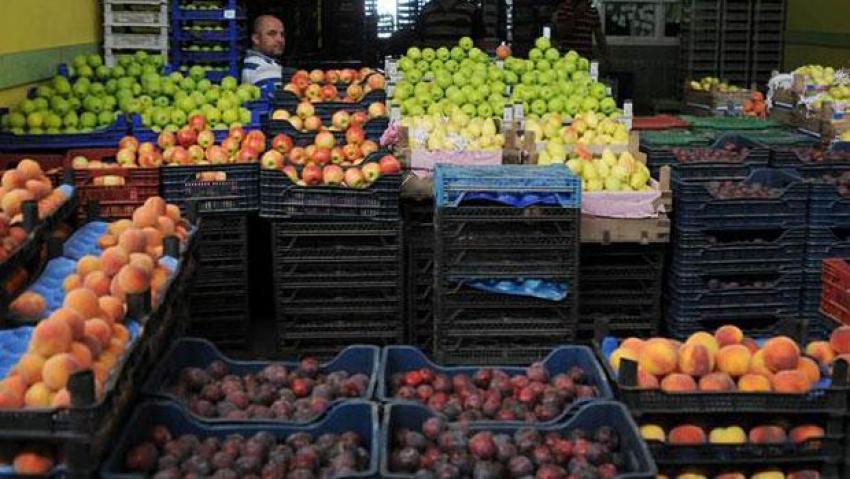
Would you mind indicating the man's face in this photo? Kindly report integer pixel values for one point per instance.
(269, 37)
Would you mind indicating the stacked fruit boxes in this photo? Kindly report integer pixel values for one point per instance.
(506, 280)
(767, 43)
(735, 41)
(737, 249)
(419, 275)
(209, 34)
(700, 30)
(132, 25)
(219, 305)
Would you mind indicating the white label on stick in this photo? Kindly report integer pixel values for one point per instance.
(507, 115)
(229, 14)
(547, 32)
(594, 71)
(628, 109)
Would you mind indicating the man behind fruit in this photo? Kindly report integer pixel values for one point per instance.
(576, 23)
(443, 22)
(262, 67)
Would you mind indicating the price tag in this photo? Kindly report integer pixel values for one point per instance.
(507, 90)
(547, 32)
(519, 115)
(395, 113)
(628, 109)
(507, 116)
(390, 89)
(500, 64)
(628, 122)
(230, 14)
(594, 71)
(608, 90)
(391, 68)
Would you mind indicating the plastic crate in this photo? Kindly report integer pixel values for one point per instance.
(826, 242)
(226, 332)
(106, 137)
(192, 352)
(757, 157)
(827, 207)
(284, 100)
(332, 242)
(136, 41)
(494, 351)
(156, 16)
(357, 416)
(829, 396)
(696, 207)
(373, 129)
(589, 417)
(282, 199)
(692, 293)
(554, 185)
(726, 251)
(214, 188)
(337, 275)
(400, 359)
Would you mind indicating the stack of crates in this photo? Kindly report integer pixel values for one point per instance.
(132, 25)
(736, 260)
(419, 275)
(700, 30)
(219, 298)
(208, 33)
(506, 238)
(735, 39)
(767, 44)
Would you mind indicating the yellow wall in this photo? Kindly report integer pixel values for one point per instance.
(813, 27)
(33, 25)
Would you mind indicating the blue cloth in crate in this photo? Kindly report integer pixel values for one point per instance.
(534, 288)
(84, 241)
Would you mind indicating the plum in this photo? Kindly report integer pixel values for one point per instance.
(415, 440)
(542, 455)
(423, 474)
(273, 471)
(170, 473)
(526, 439)
(238, 399)
(167, 462)
(301, 474)
(222, 460)
(195, 378)
(519, 466)
(607, 436)
(487, 470)
(197, 465)
(248, 465)
(142, 458)
(447, 471)
(225, 474)
(160, 435)
(432, 427)
(217, 369)
(550, 471)
(482, 447)
(306, 457)
(607, 471)
(406, 460)
(224, 408)
(309, 367)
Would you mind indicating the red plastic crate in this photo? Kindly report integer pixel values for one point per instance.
(51, 163)
(658, 122)
(835, 294)
(119, 201)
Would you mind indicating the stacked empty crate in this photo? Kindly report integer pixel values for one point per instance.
(133, 25)
(482, 245)
(736, 253)
(419, 277)
(208, 34)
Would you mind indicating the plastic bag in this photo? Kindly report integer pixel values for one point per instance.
(534, 288)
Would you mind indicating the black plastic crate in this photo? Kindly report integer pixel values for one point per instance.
(621, 325)
(214, 188)
(373, 129)
(696, 207)
(738, 251)
(494, 352)
(827, 207)
(337, 275)
(325, 110)
(333, 242)
(226, 332)
(826, 242)
(226, 229)
(758, 323)
(692, 295)
(282, 199)
(621, 262)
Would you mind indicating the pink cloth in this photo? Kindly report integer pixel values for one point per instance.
(422, 161)
(616, 204)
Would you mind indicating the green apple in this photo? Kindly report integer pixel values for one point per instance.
(413, 76)
(443, 53)
(428, 54)
(442, 79)
(405, 64)
(551, 54)
(543, 43)
(71, 120)
(458, 54)
(161, 101)
(590, 104)
(227, 83)
(437, 93)
(197, 72)
(538, 107)
(460, 79)
(40, 104)
(452, 65)
(598, 90)
(535, 55)
(529, 78)
(19, 120)
(556, 104)
(607, 105)
(583, 64)
(469, 109)
(423, 66)
(105, 118)
(455, 95)
(485, 110)
(188, 83)
(88, 120)
(511, 78)
(404, 90)
(466, 43)
(543, 65)
(95, 61)
(414, 53)
(437, 65)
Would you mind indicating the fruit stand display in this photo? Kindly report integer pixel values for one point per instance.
(814, 99)
(207, 36)
(711, 97)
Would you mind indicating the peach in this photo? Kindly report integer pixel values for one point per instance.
(116, 347)
(805, 432)
(691, 475)
(15, 385)
(87, 264)
(154, 252)
(687, 435)
(757, 365)
(804, 474)
(839, 340)
(28, 305)
(704, 339)
(160, 279)
(753, 382)
(646, 380)
(113, 307)
(635, 344)
(120, 332)
(113, 259)
(781, 353)
(98, 282)
(133, 280)
(751, 344)
(107, 241)
(39, 189)
(157, 204)
(74, 320)
(62, 398)
(728, 335)
(727, 435)
(37, 396)
(143, 261)
(118, 227)
(820, 350)
(82, 354)
(153, 237)
(93, 343)
(768, 474)
(99, 329)
(652, 432)
(50, 337)
(810, 368)
(767, 435)
(716, 382)
(731, 475)
(618, 355)
(108, 359)
(101, 372)
(658, 357)
(33, 461)
(695, 360)
(72, 282)
(83, 301)
(791, 381)
(734, 359)
(11, 396)
(173, 212)
(165, 225)
(58, 369)
(29, 368)
(678, 383)
(12, 180)
(132, 240)
(144, 217)
(29, 169)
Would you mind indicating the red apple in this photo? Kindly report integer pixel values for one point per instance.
(148, 159)
(368, 147)
(166, 139)
(371, 171)
(180, 156)
(296, 122)
(168, 154)
(271, 160)
(313, 92)
(196, 154)
(126, 156)
(198, 123)
(332, 175)
(332, 76)
(354, 178)
(187, 137)
(359, 118)
(322, 156)
(375, 81)
(325, 139)
(311, 175)
(217, 155)
(352, 152)
(355, 135)
(282, 143)
(337, 155)
(236, 131)
(305, 109)
(128, 142)
(389, 165)
(312, 123)
(301, 80)
(230, 145)
(246, 155)
(377, 110)
(297, 156)
(255, 140)
(291, 173)
(347, 75)
(206, 138)
(328, 92)
(146, 147)
(293, 88)
(310, 150)
(316, 76)
(354, 91)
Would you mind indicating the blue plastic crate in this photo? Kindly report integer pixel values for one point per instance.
(589, 417)
(357, 416)
(195, 352)
(696, 207)
(398, 359)
(237, 192)
(230, 10)
(513, 185)
(84, 241)
(690, 295)
(49, 283)
(105, 137)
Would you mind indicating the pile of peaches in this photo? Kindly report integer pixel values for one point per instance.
(321, 86)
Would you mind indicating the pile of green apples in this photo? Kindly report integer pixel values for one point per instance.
(93, 95)
(433, 81)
